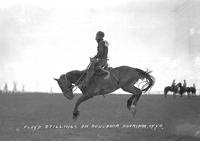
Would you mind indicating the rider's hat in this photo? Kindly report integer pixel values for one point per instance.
(100, 34)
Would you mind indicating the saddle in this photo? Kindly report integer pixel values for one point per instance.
(103, 71)
(106, 72)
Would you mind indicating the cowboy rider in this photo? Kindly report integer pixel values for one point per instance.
(100, 59)
(184, 84)
(173, 84)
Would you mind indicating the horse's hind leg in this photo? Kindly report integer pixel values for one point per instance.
(132, 101)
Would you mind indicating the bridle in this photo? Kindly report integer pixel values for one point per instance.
(72, 86)
(76, 84)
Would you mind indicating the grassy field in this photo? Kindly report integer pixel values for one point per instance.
(44, 117)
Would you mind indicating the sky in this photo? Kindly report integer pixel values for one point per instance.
(41, 39)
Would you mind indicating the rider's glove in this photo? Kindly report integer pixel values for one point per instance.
(93, 59)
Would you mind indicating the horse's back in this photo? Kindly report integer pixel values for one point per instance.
(124, 71)
(124, 68)
(167, 88)
(117, 75)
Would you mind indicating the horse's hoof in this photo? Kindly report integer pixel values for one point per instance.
(133, 110)
(129, 103)
(75, 115)
(129, 107)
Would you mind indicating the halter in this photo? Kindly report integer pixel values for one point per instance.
(71, 87)
(75, 84)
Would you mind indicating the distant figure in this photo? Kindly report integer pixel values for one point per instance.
(5, 89)
(192, 90)
(194, 86)
(23, 88)
(14, 87)
(184, 84)
(173, 88)
(173, 84)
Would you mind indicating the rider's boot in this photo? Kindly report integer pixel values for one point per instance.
(106, 72)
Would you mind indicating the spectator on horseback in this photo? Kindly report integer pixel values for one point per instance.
(173, 83)
(99, 61)
(184, 84)
(194, 86)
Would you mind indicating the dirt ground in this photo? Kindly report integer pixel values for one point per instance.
(45, 117)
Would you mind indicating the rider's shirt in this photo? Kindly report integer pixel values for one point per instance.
(102, 50)
(184, 84)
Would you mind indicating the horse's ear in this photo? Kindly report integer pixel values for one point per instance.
(56, 79)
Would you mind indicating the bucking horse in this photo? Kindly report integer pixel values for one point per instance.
(123, 77)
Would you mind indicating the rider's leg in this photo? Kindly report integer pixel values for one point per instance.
(89, 74)
(100, 66)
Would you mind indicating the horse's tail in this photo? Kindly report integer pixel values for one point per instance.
(150, 80)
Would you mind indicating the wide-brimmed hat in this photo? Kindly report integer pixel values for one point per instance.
(100, 34)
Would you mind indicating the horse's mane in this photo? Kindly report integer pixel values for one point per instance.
(74, 75)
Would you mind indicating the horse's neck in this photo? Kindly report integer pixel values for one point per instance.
(74, 76)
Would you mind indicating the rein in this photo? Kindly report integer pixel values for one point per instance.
(68, 80)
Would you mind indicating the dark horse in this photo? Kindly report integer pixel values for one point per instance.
(123, 77)
(189, 90)
(174, 89)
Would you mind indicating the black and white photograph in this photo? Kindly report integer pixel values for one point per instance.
(100, 70)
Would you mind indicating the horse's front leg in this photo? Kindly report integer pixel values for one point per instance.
(138, 94)
(83, 98)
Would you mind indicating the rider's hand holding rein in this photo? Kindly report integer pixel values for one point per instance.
(93, 59)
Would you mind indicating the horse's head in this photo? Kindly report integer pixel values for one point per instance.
(179, 84)
(66, 86)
